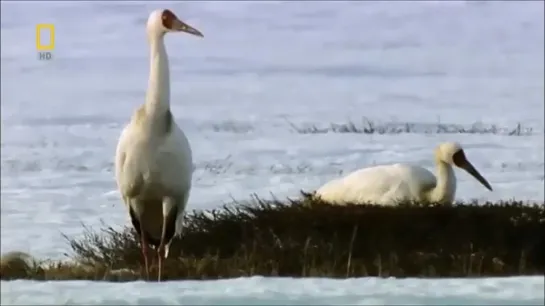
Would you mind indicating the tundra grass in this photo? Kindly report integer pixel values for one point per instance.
(309, 238)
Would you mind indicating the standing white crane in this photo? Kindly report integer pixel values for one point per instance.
(388, 184)
(153, 163)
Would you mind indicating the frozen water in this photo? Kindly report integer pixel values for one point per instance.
(281, 291)
(261, 68)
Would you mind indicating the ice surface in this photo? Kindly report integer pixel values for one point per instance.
(261, 67)
(281, 291)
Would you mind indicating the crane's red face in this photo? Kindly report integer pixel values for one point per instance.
(174, 24)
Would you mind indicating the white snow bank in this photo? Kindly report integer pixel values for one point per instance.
(281, 291)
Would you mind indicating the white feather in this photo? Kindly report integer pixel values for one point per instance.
(378, 185)
(166, 163)
(388, 184)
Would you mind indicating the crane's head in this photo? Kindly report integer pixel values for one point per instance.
(453, 154)
(163, 21)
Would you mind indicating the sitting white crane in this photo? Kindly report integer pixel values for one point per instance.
(153, 162)
(388, 184)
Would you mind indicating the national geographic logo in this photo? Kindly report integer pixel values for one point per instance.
(45, 50)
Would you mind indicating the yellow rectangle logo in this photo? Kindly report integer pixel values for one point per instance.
(51, 28)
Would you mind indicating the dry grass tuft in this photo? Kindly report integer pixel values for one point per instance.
(367, 126)
(306, 237)
(19, 265)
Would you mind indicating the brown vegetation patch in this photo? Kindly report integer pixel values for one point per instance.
(304, 238)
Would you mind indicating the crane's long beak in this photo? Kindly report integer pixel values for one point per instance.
(461, 161)
(180, 26)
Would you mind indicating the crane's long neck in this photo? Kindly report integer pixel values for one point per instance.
(158, 95)
(445, 189)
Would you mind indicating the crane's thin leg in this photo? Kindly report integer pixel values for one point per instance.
(145, 251)
(161, 251)
(169, 223)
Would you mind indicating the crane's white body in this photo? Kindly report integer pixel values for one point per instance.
(389, 184)
(162, 165)
(153, 162)
(386, 184)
